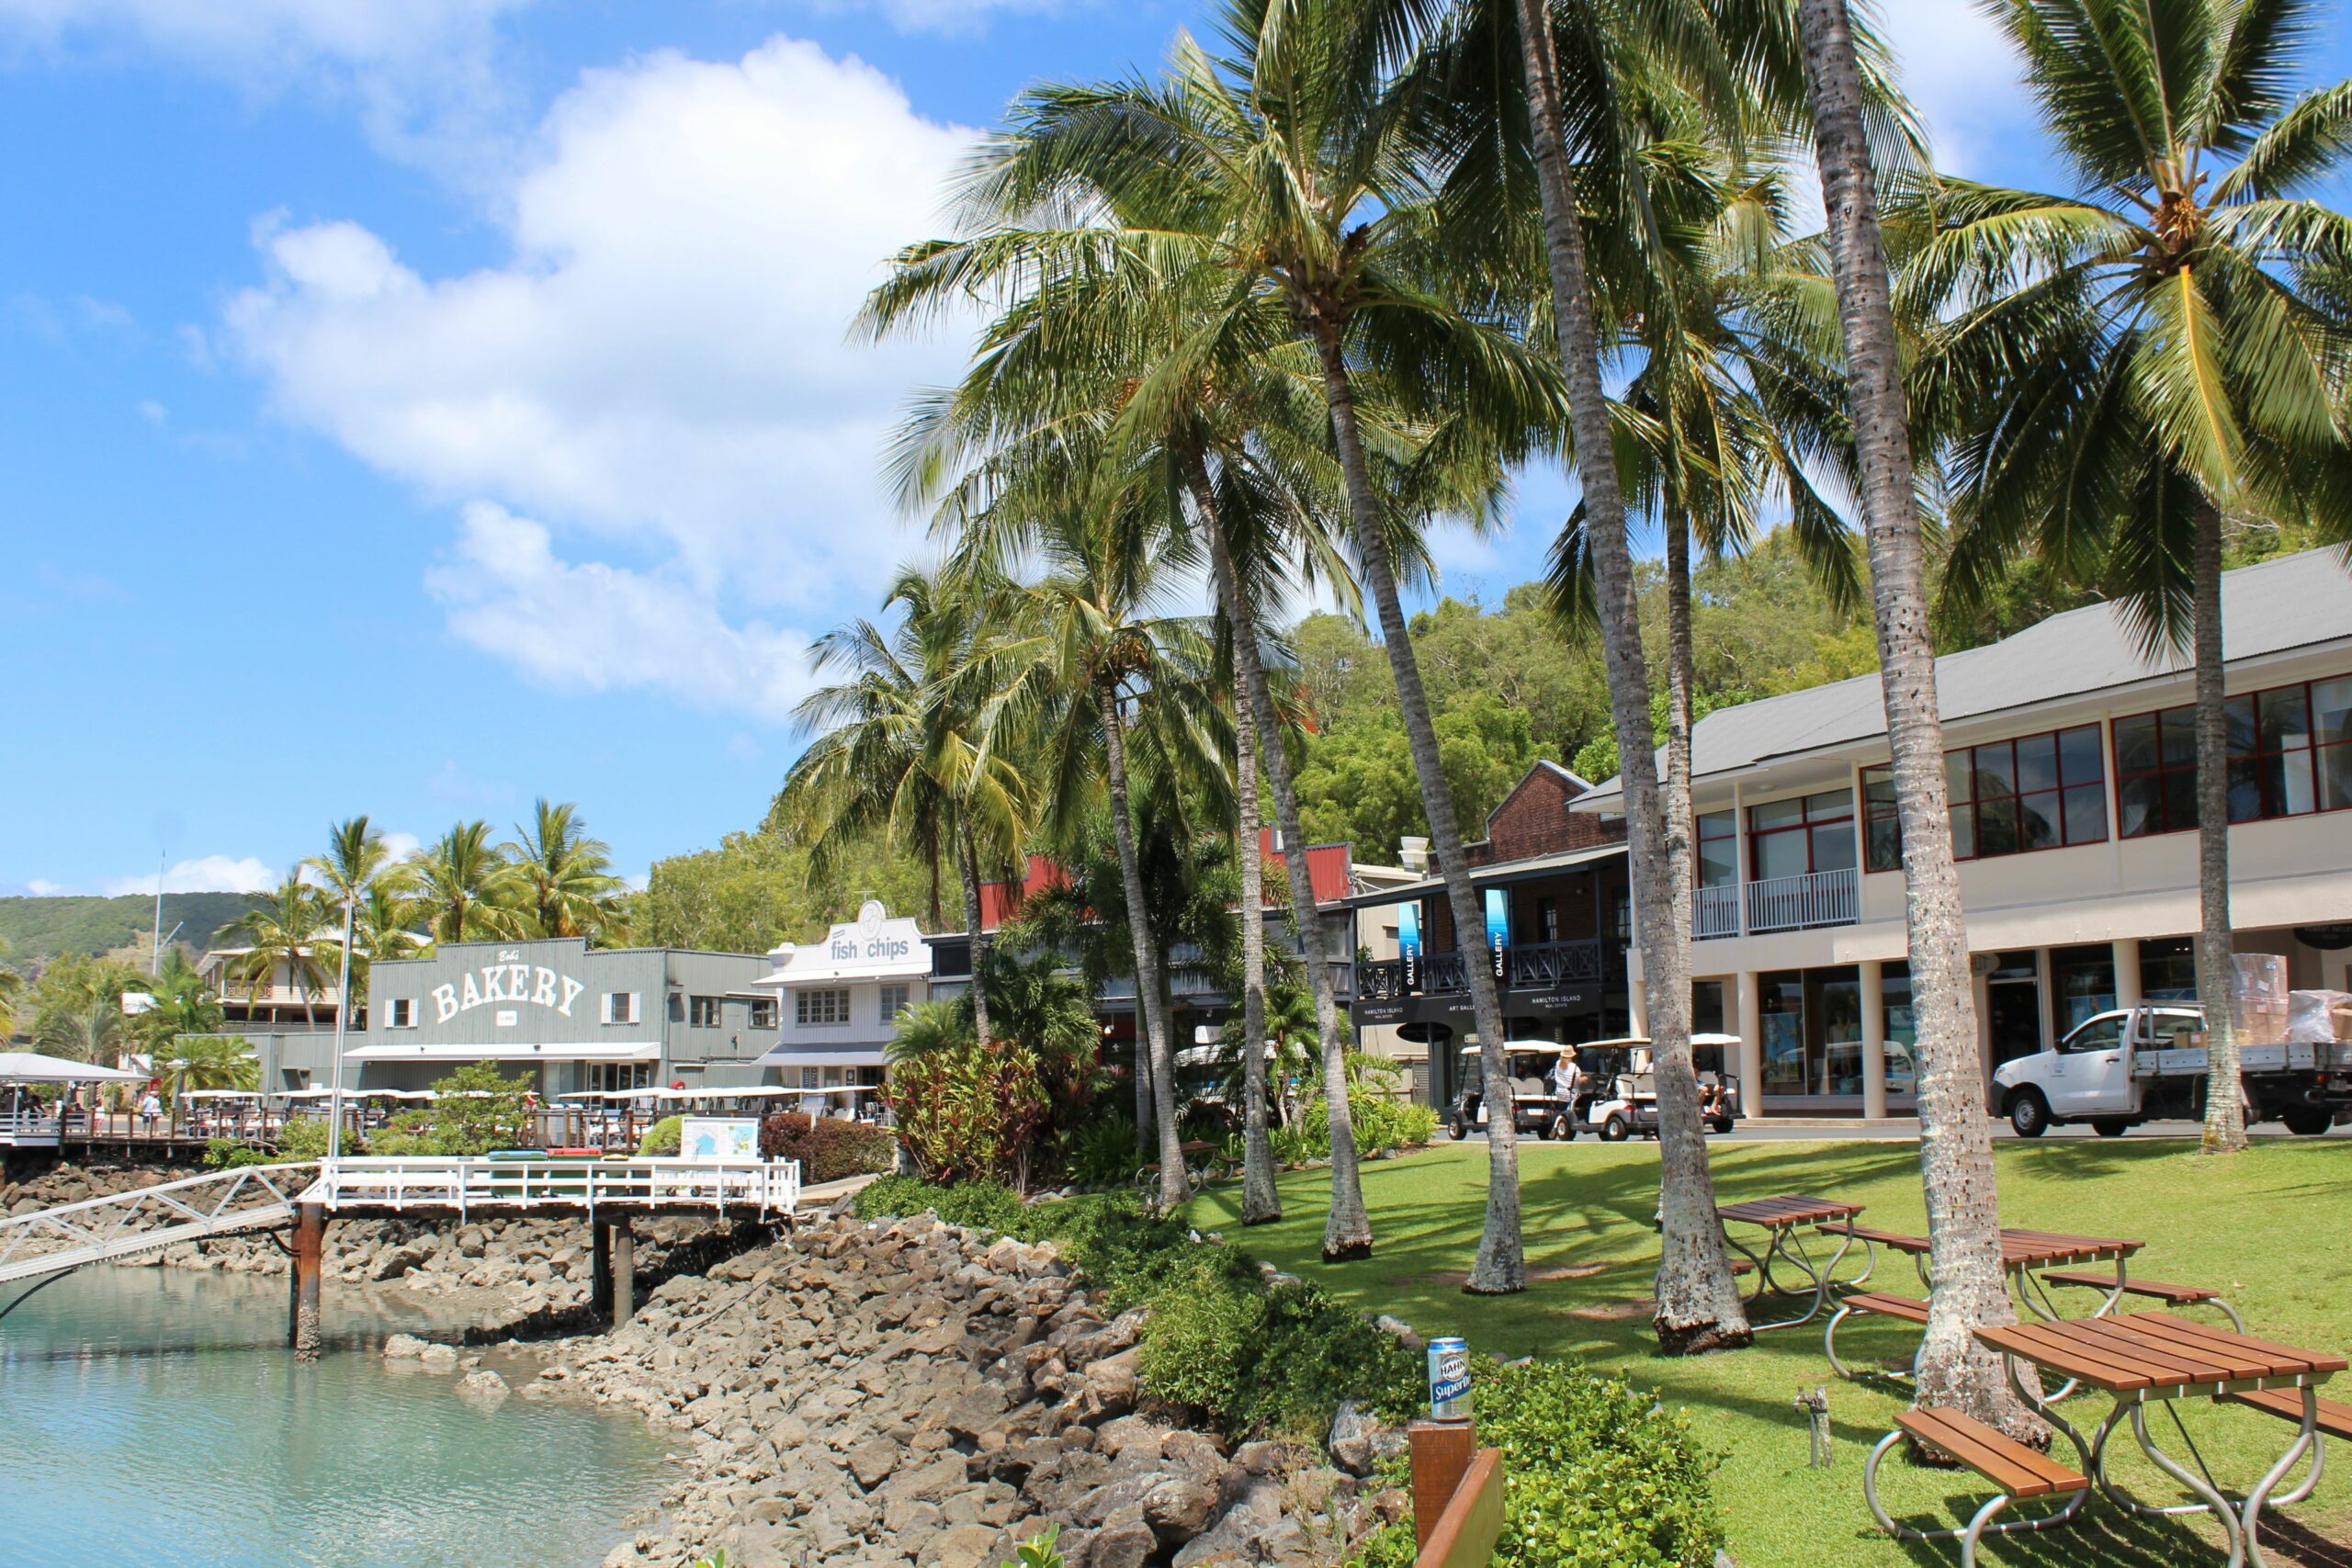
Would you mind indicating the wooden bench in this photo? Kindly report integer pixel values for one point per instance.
(2019, 1473)
(1872, 1240)
(2155, 1290)
(1866, 1302)
(2334, 1416)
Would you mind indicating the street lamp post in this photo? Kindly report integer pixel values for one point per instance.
(342, 1022)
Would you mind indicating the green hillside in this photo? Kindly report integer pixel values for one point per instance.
(42, 927)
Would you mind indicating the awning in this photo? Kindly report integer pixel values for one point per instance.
(30, 1066)
(786, 1057)
(637, 1051)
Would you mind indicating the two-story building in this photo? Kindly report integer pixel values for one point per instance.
(569, 1016)
(2071, 765)
(1552, 887)
(841, 998)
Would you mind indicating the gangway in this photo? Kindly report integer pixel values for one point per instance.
(148, 1219)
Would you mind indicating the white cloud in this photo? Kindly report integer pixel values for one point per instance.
(661, 366)
(1960, 70)
(401, 846)
(422, 71)
(40, 889)
(211, 873)
(954, 17)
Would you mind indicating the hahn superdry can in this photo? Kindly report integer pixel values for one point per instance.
(1449, 1380)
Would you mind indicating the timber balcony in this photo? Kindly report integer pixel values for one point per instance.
(1541, 966)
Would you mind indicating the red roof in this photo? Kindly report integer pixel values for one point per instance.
(1330, 869)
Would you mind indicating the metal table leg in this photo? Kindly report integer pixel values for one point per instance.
(2196, 1483)
(2304, 1439)
(1820, 1276)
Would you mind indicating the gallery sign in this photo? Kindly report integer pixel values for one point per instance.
(504, 984)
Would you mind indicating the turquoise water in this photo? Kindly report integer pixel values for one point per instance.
(154, 1417)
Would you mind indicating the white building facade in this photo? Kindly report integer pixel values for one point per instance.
(2071, 765)
(840, 999)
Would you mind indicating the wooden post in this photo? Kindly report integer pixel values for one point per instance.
(600, 1262)
(307, 1264)
(1440, 1453)
(624, 1267)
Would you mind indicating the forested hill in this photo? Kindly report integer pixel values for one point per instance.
(44, 927)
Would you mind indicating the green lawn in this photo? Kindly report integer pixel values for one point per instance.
(2272, 1228)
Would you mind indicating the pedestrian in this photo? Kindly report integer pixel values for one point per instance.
(151, 1109)
(1566, 1078)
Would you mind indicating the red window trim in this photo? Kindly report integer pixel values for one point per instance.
(2164, 766)
(2065, 786)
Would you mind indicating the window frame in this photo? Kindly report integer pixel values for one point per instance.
(1807, 823)
(835, 1011)
(765, 1013)
(2063, 784)
(884, 1013)
(705, 1011)
(2315, 750)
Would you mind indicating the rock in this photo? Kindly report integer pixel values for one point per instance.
(965, 1546)
(1352, 1431)
(487, 1387)
(438, 1358)
(1128, 1545)
(1177, 1510)
(403, 1347)
(872, 1462)
(1403, 1331)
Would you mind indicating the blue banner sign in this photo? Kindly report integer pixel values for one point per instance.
(1408, 943)
(1498, 931)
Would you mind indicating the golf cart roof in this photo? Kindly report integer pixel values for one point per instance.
(1622, 1040)
(1715, 1040)
(1552, 1046)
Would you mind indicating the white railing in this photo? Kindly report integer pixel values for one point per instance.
(1816, 899)
(24, 1129)
(465, 1184)
(146, 1218)
(1714, 911)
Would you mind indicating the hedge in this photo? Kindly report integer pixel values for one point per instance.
(827, 1148)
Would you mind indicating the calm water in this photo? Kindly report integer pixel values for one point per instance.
(154, 1416)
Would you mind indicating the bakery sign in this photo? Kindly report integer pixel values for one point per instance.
(505, 984)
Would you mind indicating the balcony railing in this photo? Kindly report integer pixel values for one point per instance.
(1534, 965)
(1793, 903)
(1714, 911)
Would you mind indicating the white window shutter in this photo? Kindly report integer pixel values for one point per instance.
(632, 1009)
(607, 1007)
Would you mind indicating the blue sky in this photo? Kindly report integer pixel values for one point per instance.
(415, 406)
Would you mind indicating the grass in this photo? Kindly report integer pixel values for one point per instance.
(2272, 1228)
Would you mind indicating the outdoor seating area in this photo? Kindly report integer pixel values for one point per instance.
(2139, 1359)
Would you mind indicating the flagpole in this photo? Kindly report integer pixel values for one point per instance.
(342, 1020)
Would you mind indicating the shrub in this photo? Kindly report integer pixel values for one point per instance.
(968, 1111)
(665, 1138)
(478, 1110)
(305, 1139)
(230, 1153)
(984, 1205)
(827, 1148)
(1383, 1124)
(1259, 1360)
(1599, 1476)
(1104, 1154)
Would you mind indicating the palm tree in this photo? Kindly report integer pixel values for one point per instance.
(12, 988)
(184, 1004)
(356, 858)
(569, 888)
(1955, 1145)
(359, 869)
(905, 746)
(467, 890)
(205, 1061)
(1279, 166)
(284, 936)
(88, 1028)
(2127, 364)
(1103, 676)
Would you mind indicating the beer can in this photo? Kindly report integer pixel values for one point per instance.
(1449, 1380)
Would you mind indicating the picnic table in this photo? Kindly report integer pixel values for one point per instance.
(2150, 1357)
(1785, 1220)
(2024, 1253)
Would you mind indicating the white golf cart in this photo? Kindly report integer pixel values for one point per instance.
(1627, 1104)
(1534, 1108)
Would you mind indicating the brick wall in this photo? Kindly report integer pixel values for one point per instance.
(1534, 819)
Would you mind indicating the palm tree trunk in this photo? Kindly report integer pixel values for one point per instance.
(1150, 1000)
(2224, 1094)
(1261, 1203)
(1699, 1307)
(1501, 1265)
(1347, 1230)
(1955, 1136)
(968, 862)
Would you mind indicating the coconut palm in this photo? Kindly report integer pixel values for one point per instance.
(184, 1004)
(355, 859)
(1102, 675)
(2128, 363)
(568, 888)
(85, 1029)
(359, 869)
(1955, 1146)
(285, 935)
(205, 1061)
(1279, 165)
(12, 990)
(467, 890)
(905, 746)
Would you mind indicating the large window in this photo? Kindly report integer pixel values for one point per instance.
(619, 1077)
(1791, 838)
(893, 1002)
(819, 1007)
(2290, 747)
(1718, 838)
(2039, 792)
(702, 1012)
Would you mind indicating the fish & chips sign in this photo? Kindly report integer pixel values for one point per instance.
(505, 984)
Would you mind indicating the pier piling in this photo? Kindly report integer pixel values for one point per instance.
(624, 1269)
(309, 1258)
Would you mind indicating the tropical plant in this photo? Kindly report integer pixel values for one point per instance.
(283, 938)
(970, 1111)
(467, 890)
(905, 747)
(12, 990)
(183, 1004)
(205, 1061)
(1955, 1148)
(89, 1028)
(474, 1110)
(567, 884)
(2126, 364)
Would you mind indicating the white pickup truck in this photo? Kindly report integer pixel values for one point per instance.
(2118, 1069)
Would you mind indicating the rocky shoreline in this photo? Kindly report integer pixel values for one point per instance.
(888, 1393)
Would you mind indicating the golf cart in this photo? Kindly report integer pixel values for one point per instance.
(1625, 1102)
(1534, 1108)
